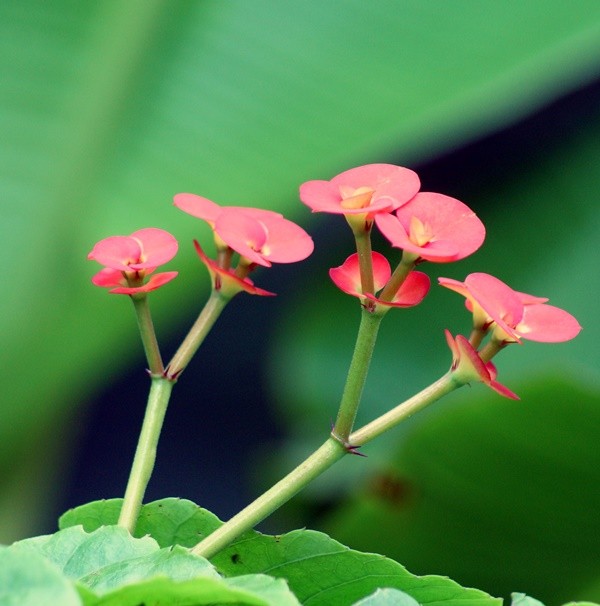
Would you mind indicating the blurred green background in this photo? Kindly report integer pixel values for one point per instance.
(109, 108)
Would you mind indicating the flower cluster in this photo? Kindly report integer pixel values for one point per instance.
(436, 228)
(426, 226)
(259, 237)
(129, 259)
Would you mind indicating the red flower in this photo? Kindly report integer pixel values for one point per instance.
(260, 236)
(369, 189)
(128, 259)
(347, 278)
(434, 227)
(226, 281)
(467, 366)
(516, 315)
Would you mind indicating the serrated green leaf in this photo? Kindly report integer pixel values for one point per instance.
(91, 516)
(78, 553)
(114, 568)
(169, 521)
(176, 564)
(258, 591)
(387, 597)
(319, 570)
(29, 579)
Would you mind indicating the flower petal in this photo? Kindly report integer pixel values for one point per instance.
(368, 190)
(547, 324)
(197, 206)
(116, 252)
(156, 281)
(243, 234)
(158, 247)
(226, 280)
(449, 229)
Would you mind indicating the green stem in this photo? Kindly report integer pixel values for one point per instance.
(145, 454)
(144, 319)
(390, 419)
(323, 458)
(205, 321)
(357, 374)
(406, 265)
(365, 262)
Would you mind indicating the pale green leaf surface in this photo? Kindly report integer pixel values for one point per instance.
(29, 579)
(78, 553)
(387, 597)
(177, 564)
(262, 591)
(108, 109)
(520, 599)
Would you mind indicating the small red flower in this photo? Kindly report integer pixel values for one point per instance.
(226, 281)
(347, 278)
(516, 315)
(369, 189)
(435, 227)
(261, 236)
(128, 259)
(467, 366)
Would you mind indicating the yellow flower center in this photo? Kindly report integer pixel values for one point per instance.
(420, 233)
(355, 198)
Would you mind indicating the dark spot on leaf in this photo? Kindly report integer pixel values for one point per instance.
(235, 558)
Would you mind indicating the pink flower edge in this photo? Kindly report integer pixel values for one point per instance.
(467, 361)
(368, 189)
(222, 277)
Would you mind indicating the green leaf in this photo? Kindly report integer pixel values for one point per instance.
(319, 570)
(257, 590)
(169, 521)
(387, 597)
(29, 579)
(115, 568)
(177, 564)
(78, 553)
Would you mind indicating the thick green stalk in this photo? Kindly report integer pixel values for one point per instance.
(144, 319)
(315, 465)
(357, 373)
(323, 458)
(145, 454)
(390, 419)
(406, 265)
(205, 321)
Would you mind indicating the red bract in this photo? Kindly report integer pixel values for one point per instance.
(347, 278)
(260, 236)
(114, 279)
(516, 315)
(226, 281)
(128, 259)
(435, 227)
(468, 366)
(369, 189)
